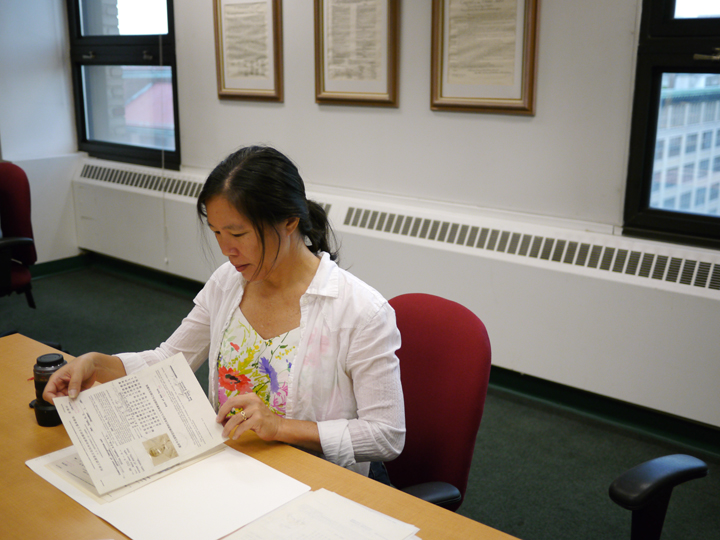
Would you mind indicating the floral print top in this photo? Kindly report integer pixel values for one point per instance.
(249, 363)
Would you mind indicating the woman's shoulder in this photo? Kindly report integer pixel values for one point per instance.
(358, 295)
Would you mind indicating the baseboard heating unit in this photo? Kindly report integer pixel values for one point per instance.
(116, 200)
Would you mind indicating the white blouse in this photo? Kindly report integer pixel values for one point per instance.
(345, 377)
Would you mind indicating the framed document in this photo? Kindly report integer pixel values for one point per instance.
(356, 52)
(484, 55)
(248, 49)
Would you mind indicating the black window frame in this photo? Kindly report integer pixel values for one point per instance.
(139, 50)
(665, 45)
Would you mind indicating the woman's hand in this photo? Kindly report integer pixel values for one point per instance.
(81, 374)
(247, 411)
(251, 413)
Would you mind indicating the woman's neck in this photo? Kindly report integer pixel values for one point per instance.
(293, 270)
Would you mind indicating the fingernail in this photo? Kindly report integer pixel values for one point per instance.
(72, 393)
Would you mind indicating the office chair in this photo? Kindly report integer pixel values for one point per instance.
(444, 367)
(17, 248)
(646, 489)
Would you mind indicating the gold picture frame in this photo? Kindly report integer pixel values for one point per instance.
(484, 56)
(249, 49)
(354, 68)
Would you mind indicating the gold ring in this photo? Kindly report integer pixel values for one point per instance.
(242, 413)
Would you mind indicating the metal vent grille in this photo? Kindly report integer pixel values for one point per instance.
(163, 184)
(554, 250)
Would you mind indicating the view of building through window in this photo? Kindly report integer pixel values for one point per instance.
(695, 9)
(123, 17)
(686, 171)
(128, 104)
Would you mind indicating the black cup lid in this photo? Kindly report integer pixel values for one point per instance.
(49, 360)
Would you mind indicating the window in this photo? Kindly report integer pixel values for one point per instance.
(659, 149)
(704, 168)
(706, 140)
(125, 81)
(677, 90)
(688, 173)
(714, 191)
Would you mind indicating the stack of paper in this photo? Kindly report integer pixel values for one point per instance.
(325, 515)
(205, 501)
(148, 457)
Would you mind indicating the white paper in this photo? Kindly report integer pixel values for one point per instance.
(324, 515)
(354, 40)
(246, 29)
(141, 424)
(355, 46)
(70, 468)
(482, 42)
(205, 501)
(483, 48)
(248, 44)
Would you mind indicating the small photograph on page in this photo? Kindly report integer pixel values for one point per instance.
(161, 449)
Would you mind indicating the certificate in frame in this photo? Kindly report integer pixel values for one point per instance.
(248, 49)
(484, 56)
(356, 52)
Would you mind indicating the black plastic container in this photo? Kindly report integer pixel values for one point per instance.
(44, 367)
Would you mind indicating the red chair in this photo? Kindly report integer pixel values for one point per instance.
(17, 248)
(444, 367)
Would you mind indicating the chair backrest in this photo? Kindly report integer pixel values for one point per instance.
(444, 367)
(15, 210)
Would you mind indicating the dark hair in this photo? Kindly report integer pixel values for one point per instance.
(265, 186)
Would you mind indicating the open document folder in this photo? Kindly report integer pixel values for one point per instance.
(148, 457)
(141, 424)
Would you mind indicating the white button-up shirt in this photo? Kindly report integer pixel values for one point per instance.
(345, 376)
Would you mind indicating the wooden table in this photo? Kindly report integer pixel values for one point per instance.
(30, 507)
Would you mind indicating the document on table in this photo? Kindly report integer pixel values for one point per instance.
(71, 469)
(325, 515)
(140, 425)
(204, 501)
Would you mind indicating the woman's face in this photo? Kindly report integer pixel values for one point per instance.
(239, 241)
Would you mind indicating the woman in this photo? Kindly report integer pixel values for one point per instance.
(300, 351)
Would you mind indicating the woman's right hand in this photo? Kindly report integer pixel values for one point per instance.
(81, 374)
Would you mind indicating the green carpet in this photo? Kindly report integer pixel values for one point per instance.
(540, 471)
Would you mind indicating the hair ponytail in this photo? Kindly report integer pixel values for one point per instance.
(318, 231)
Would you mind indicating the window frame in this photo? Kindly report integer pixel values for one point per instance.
(665, 45)
(138, 50)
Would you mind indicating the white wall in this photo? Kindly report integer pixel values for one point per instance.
(567, 162)
(37, 129)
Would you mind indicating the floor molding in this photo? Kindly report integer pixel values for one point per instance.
(676, 430)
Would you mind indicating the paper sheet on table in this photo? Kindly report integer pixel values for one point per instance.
(141, 424)
(205, 501)
(70, 468)
(324, 515)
